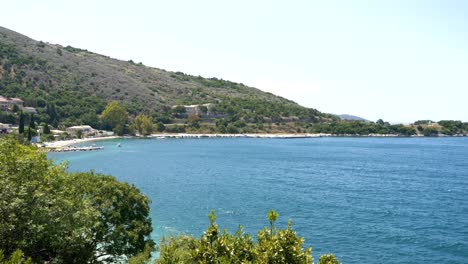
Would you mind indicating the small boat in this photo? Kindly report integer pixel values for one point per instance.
(119, 145)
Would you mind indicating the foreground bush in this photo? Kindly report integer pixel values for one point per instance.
(272, 246)
(59, 217)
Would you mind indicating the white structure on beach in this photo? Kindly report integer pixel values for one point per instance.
(86, 130)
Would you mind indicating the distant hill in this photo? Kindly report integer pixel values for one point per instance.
(79, 83)
(352, 117)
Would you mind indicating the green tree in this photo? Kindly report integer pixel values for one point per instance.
(29, 134)
(328, 259)
(280, 246)
(65, 217)
(160, 127)
(79, 133)
(46, 129)
(16, 258)
(90, 119)
(52, 113)
(21, 123)
(15, 108)
(114, 117)
(194, 121)
(180, 109)
(143, 125)
(32, 124)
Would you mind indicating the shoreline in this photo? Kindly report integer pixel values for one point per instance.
(67, 144)
(70, 142)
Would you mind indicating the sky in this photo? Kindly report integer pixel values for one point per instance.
(397, 60)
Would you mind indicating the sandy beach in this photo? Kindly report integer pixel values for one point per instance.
(67, 143)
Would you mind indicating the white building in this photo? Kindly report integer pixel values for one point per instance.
(85, 130)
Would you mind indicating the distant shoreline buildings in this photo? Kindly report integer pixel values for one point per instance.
(7, 104)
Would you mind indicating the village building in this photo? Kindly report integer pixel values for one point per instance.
(7, 104)
(5, 128)
(197, 109)
(4, 103)
(85, 130)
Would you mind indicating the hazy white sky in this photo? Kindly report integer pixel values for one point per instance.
(397, 60)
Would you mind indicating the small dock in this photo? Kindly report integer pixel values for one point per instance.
(72, 149)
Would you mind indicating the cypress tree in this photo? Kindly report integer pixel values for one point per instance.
(29, 134)
(31, 121)
(21, 123)
(46, 129)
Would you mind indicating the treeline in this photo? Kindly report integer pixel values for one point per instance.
(363, 128)
(48, 215)
(421, 127)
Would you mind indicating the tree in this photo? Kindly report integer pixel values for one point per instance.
(46, 129)
(62, 217)
(114, 116)
(16, 258)
(90, 119)
(194, 121)
(29, 134)
(15, 108)
(21, 123)
(143, 125)
(52, 113)
(32, 124)
(277, 246)
(328, 259)
(160, 127)
(79, 133)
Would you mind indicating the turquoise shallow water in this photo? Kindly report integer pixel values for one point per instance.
(368, 200)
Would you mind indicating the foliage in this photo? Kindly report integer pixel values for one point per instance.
(143, 257)
(430, 132)
(46, 129)
(21, 123)
(328, 259)
(114, 117)
(143, 125)
(273, 246)
(353, 127)
(423, 122)
(52, 215)
(16, 258)
(160, 127)
(29, 133)
(32, 124)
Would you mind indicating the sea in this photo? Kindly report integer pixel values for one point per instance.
(367, 200)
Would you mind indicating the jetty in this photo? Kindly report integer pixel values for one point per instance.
(73, 149)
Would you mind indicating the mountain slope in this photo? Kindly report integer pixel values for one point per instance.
(351, 117)
(80, 83)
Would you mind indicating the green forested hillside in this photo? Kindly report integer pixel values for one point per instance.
(79, 84)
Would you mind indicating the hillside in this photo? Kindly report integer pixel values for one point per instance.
(351, 117)
(80, 83)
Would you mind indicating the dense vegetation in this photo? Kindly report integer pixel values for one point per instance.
(363, 128)
(52, 215)
(272, 246)
(71, 86)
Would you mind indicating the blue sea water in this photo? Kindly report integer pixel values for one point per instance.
(368, 200)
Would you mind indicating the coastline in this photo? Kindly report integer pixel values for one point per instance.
(68, 144)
